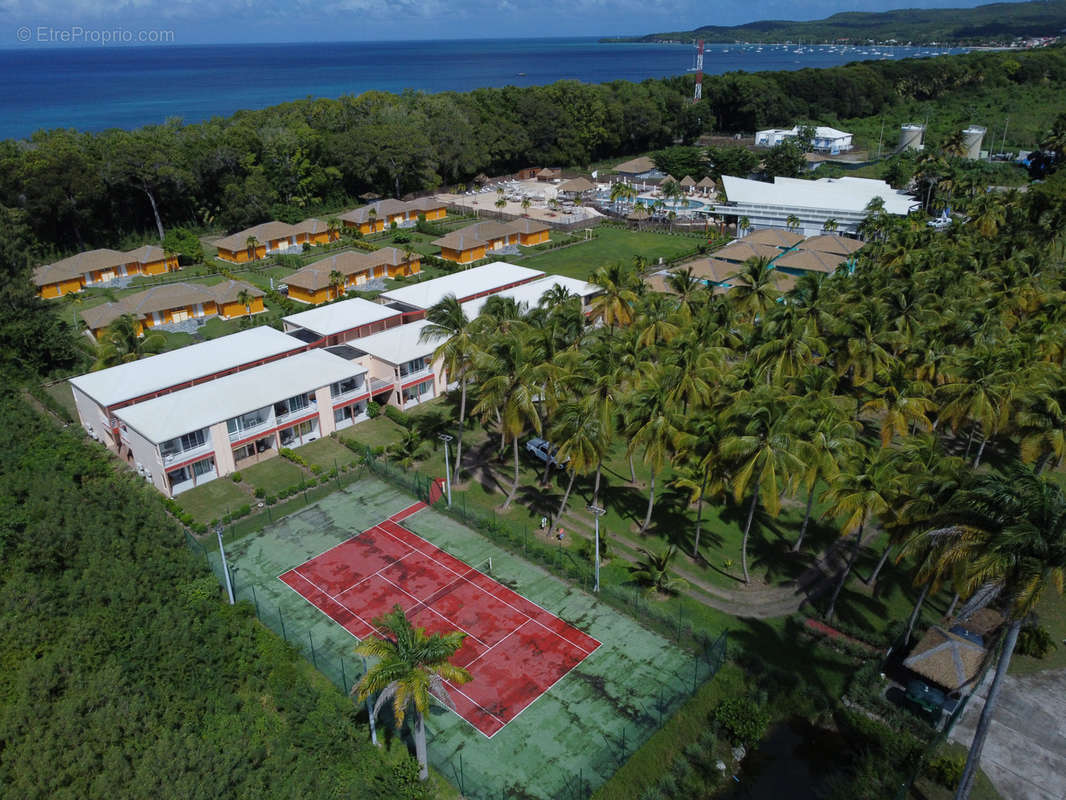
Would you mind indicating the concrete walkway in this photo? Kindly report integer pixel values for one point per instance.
(1025, 753)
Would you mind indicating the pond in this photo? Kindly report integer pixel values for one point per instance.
(793, 762)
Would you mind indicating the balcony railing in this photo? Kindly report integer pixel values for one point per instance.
(377, 385)
(348, 395)
(310, 408)
(183, 455)
(251, 430)
(417, 374)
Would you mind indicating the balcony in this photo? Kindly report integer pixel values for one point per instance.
(360, 389)
(377, 385)
(310, 408)
(184, 455)
(418, 374)
(252, 430)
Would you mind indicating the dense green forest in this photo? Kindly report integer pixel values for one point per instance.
(78, 190)
(996, 22)
(123, 674)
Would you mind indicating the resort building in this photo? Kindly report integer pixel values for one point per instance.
(98, 395)
(99, 267)
(399, 365)
(270, 238)
(315, 283)
(377, 216)
(341, 322)
(640, 169)
(811, 203)
(530, 295)
(738, 252)
(413, 301)
(826, 139)
(774, 237)
(429, 207)
(176, 303)
(476, 241)
(192, 436)
(575, 187)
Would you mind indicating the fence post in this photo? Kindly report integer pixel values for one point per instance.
(314, 658)
(344, 676)
(256, 601)
(281, 619)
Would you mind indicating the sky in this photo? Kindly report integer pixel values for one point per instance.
(65, 23)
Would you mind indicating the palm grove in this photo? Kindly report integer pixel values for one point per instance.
(920, 395)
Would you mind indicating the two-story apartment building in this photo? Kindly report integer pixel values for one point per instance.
(99, 395)
(341, 322)
(399, 364)
(192, 436)
(467, 285)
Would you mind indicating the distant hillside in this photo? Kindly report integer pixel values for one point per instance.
(995, 23)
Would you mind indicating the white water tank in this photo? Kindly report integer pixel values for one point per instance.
(911, 136)
(972, 138)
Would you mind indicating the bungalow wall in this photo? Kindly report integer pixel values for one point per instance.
(231, 309)
(60, 288)
(432, 214)
(368, 227)
(179, 314)
(412, 267)
(530, 239)
(463, 256)
(242, 256)
(311, 296)
(168, 264)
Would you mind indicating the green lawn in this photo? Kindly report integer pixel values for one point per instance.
(214, 500)
(273, 475)
(611, 244)
(63, 395)
(1051, 611)
(326, 453)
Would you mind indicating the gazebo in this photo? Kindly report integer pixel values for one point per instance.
(687, 183)
(575, 186)
(706, 185)
(946, 658)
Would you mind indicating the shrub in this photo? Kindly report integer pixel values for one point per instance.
(260, 491)
(271, 499)
(1035, 641)
(235, 477)
(316, 468)
(946, 770)
(743, 720)
(401, 237)
(243, 511)
(398, 416)
(292, 456)
(200, 528)
(373, 409)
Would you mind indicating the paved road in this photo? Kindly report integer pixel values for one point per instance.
(1025, 753)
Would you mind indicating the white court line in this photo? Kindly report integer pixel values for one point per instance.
(485, 591)
(422, 604)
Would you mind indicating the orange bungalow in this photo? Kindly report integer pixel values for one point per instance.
(96, 267)
(177, 302)
(376, 217)
(476, 241)
(429, 207)
(391, 262)
(530, 231)
(314, 283)
(258, 242)
(461, 246)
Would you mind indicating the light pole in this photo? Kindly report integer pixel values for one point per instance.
(597, 512)
(444, 437)
(225, 566)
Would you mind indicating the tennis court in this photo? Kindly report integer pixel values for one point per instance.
(514, 650)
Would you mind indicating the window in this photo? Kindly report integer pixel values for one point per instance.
(203, 467)
(292, 405)
(296, 433)
(411, 367)
(416, 391)
(246, 422)
(347, 385)
(190, 441)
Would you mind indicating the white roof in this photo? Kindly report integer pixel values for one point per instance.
(826, 194)
(820, 132)
(155, 373)
(467, 283)
(397, 345)
(342, 316)
(163, 418)
(530, 294)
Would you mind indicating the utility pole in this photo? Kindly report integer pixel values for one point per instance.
(447, 466)
(225, 566)
(597, 512)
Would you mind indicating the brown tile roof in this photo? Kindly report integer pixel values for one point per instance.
(392, 256)
(741, 251)
(657, 283)
(425, 204)
(311, 278)
(141, 304)
(636, 166)
(389, 207)
(227, 291)
(527, 226)
(576, 185)
(829, 243)
(946, 659)
(92, 260)
(311, 226)
(315, 276)
(775, 237)
(266, 232)
(810, 261)
(460, 240)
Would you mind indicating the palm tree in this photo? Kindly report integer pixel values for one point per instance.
(507, 391)
(123, 342)
(654, 430)
(457, 350)
(500, 204)
(372, 218)
(579, 431)
(828, 440)
(333, 226)
(244, 297)
(863, 489)
(653, 571)
(754, 288)
(792, 222)
(526, 203)
(830, 225)
(410, 671)
(253, 245)
(336, 282)
(763, 454)
(1005, 530)
(702, 472)
(743, 224)
(614, 305)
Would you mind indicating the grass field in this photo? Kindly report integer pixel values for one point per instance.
(273, 475)
(573, 736)
(611, 244)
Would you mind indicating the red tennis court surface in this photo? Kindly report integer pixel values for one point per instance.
(515, 650)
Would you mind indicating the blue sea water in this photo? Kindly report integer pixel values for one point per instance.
(97, 88)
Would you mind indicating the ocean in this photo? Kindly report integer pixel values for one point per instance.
(93, 89)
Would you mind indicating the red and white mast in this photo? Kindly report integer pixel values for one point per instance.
(697, 95)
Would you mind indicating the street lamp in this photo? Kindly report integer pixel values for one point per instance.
(597, 512)
(447, 466)
(225, 566)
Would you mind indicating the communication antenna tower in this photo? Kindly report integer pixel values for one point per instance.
(697, 95)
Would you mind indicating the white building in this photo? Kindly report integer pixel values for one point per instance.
(339, 322)
(399, 365)
(98, 395)
(769, 205)
(191, 436)
(529, 295)
(465, 285)
(826, 139)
